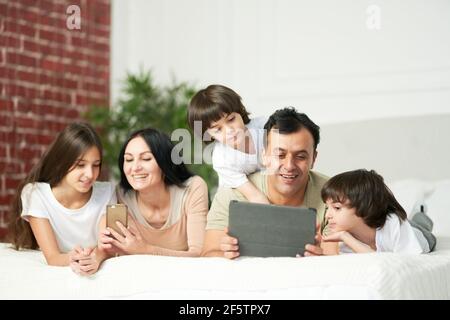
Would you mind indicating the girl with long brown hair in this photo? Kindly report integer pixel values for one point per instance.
(59, 204)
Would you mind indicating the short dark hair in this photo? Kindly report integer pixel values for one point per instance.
(161, 147)
(211, 104)
(367, 193)
(288, 120)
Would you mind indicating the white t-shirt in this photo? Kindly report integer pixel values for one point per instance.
(233, 166)
(397, 236)
(71, 226)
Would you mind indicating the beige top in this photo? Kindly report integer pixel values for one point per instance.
(218, 214)
(185, 226)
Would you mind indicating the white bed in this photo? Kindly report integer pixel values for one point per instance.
(25, 275)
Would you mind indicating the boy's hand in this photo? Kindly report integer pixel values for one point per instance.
(314, 249)
(335, 236)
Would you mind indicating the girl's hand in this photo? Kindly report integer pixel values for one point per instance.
(78, 257)
(88, 264)
(75, 253)
(73, 259)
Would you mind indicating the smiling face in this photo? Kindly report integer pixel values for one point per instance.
(84, 172)
(288, 158)
(140, 166)
(341, 217)
(229, 130)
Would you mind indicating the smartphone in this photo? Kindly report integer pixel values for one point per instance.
(116, 212)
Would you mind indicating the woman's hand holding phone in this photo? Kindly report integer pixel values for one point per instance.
(130, 241)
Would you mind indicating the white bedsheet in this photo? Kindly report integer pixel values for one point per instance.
(25, 275)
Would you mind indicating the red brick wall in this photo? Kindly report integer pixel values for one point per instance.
(49, 75)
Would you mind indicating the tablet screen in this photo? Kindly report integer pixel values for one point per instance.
(270, 230)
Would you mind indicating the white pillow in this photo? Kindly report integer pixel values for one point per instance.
(438, 205)
(411, 193)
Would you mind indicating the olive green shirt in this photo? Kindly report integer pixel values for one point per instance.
(217, 218)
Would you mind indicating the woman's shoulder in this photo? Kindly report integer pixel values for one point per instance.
(195, 182)
(196, 187)
(196, 194)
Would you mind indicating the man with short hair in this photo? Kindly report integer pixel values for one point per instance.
(290, 151)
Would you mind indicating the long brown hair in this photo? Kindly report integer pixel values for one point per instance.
(367, 193)
(53, 166)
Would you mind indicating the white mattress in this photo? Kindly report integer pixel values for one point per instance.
(25, 275)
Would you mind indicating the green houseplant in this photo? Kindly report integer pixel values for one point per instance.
(145, 104)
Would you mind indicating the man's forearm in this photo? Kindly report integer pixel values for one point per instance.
(212, 253)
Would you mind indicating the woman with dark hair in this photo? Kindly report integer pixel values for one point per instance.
(59, 204)
(167, 205)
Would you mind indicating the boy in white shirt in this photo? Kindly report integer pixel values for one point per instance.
(364, 216)
(238, 140)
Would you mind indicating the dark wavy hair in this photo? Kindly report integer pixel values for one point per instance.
(161, 147)
(367, 193)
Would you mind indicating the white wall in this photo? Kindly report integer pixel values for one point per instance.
(317, 55)
(397, 148)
